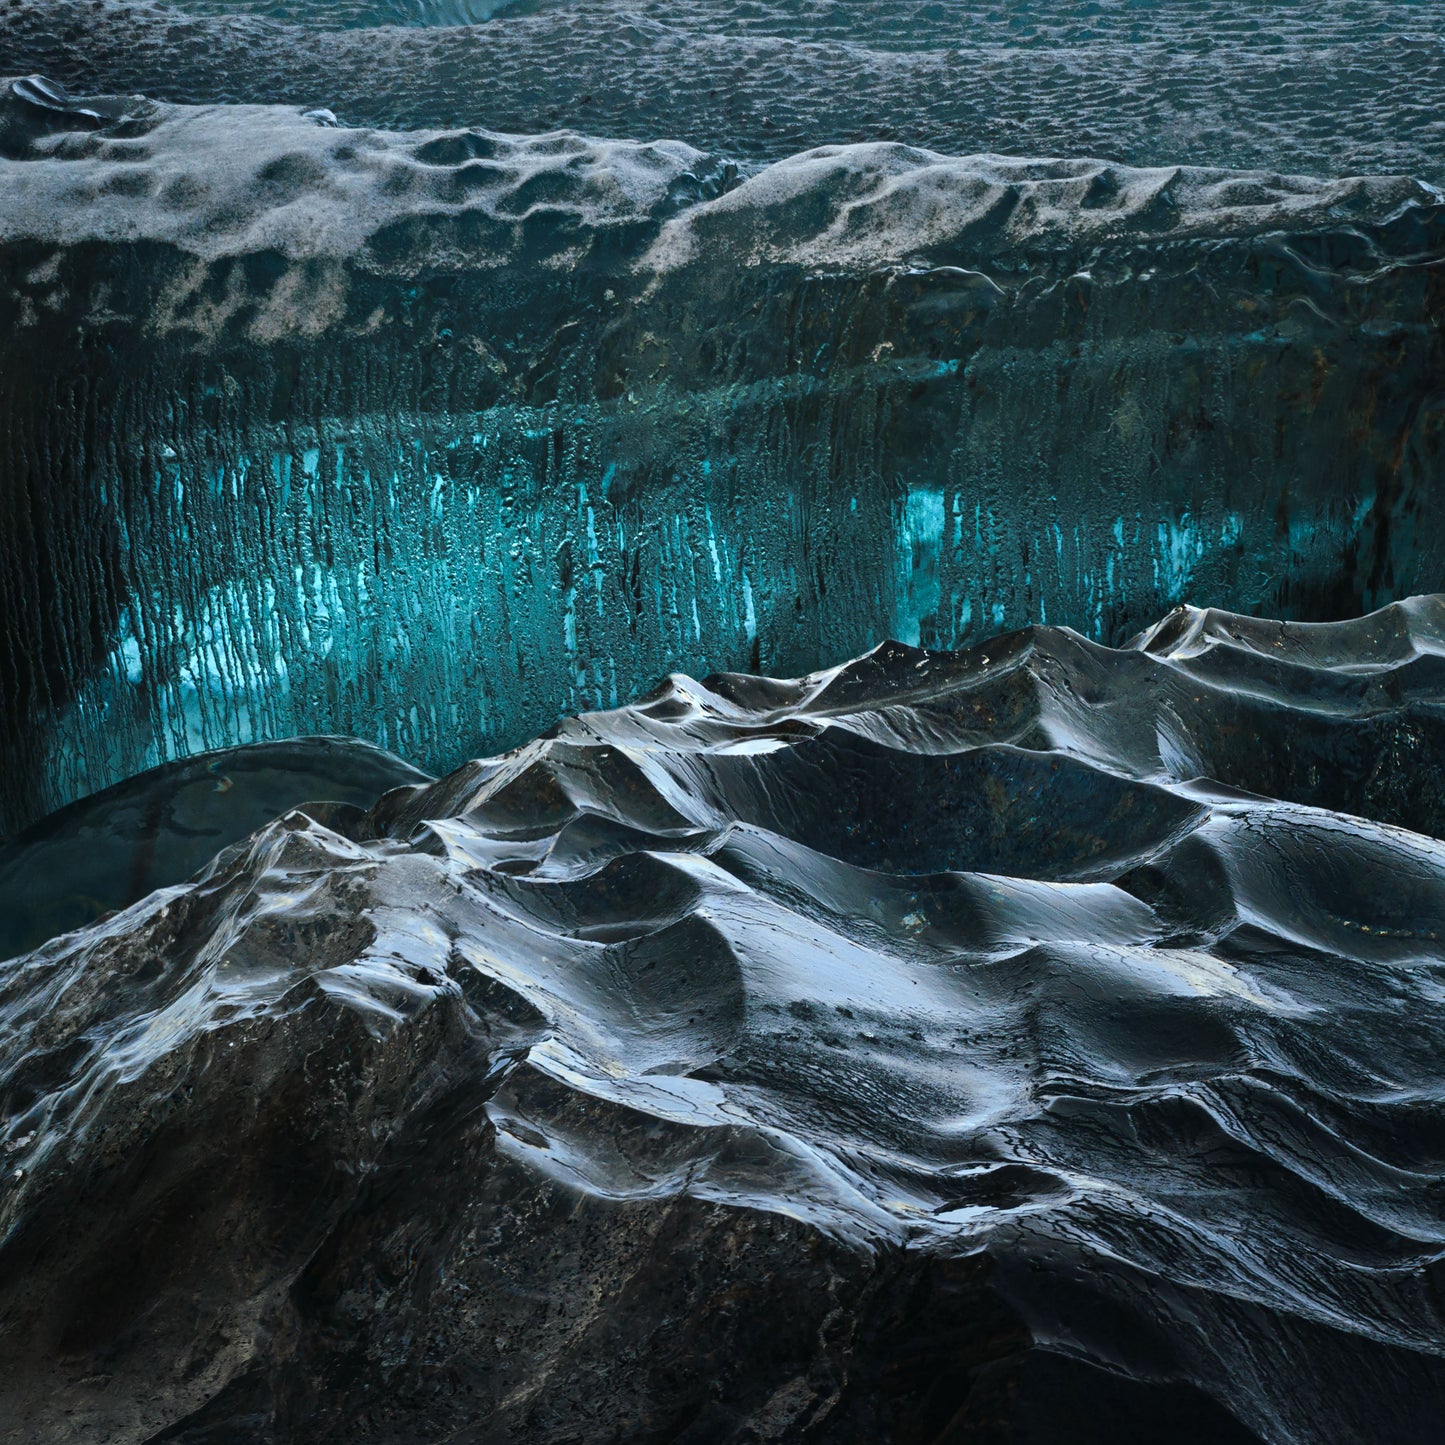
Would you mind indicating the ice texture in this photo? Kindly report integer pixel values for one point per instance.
(1025, 1033)
(346, 14)
(1333, 87)
(1039, 1041)
(431, 438)
(107, 851)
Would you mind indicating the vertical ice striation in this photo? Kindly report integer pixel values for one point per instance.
(434, 438)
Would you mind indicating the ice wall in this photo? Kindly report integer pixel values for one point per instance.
(433, 438)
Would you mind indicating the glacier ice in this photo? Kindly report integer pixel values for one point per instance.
(417, 1021)
(1334, 87)
(432, 438)
(985, 1040)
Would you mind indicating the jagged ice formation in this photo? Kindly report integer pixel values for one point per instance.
(1032, 1043)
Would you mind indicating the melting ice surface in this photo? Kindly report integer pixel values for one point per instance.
(1011, 1043)
(1056, 1016)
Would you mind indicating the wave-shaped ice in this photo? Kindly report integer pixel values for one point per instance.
(869, 206)
(1039, 1042)
(1093, 991)
(306, 191)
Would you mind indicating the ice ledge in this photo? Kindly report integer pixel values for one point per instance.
(219, 181)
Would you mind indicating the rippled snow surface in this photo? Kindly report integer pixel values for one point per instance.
(1334, 87)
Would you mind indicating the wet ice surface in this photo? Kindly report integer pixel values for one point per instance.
(1122, 967)
(1038, 1042)
(157, 828)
